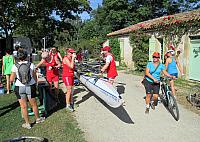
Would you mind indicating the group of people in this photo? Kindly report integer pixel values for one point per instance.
(22, 73)
(153, 73)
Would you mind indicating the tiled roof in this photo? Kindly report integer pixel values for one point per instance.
(165, 20)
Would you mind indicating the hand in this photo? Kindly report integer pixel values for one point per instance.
(50, 67)
(173, 77)
(74, 55)
(155, 81)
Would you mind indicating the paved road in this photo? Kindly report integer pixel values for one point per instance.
(129, 123)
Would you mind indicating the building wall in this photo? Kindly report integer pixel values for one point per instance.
(126, 51)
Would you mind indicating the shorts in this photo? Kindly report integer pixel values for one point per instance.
(111, 78)
(52, 78)
(175, 74)
(68, 80)
(22, 92)
(151, 88)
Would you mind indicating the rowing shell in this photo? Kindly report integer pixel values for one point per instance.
(103, 89)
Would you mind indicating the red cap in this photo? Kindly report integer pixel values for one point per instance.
(156, 54)
(71, 50)
(106, 48)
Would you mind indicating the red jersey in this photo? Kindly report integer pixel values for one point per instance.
(112, 70)
(54, 56)
(53, 71)
(67, 71)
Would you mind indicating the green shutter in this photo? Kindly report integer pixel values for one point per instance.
(194, 60)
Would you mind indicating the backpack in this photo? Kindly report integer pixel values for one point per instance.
(24, 72)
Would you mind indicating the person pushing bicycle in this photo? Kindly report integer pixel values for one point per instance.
(152, 80)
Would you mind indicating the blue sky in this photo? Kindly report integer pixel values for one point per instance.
(94, 4)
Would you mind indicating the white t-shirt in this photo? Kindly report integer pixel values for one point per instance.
(15, 53)
(15, 70)
(109, 59)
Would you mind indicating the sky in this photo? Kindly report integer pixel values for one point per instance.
(94, 4)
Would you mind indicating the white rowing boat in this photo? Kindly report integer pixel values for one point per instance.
(103, 89)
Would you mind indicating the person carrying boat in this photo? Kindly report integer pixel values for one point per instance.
(68, 77)
(110, 66)
(52, 72)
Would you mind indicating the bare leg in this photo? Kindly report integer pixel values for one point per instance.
(68, 95)
(56, 86)
(8, 83)
(23, 105)
(172, 87)
(148, 96)
(34, 106)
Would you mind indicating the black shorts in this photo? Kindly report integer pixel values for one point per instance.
(151, 88)
(28, 92)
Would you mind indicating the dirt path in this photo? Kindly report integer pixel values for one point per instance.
(129, 123)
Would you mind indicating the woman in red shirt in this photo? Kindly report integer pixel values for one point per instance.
(68, 77)
(52, 72)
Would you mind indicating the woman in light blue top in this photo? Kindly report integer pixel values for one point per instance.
(171, 67)
(152, 78)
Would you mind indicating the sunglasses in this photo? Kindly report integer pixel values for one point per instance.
(155, 57)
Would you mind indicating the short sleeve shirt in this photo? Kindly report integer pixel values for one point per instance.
(15, 70)
(155, 74)
(109, 59)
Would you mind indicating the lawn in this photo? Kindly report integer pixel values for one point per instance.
(60, 126)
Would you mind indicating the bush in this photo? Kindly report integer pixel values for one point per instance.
(115, 48)
(140, 44)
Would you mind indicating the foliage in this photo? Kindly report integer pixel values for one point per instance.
(140, 45)
(115, 48)
(35, 19)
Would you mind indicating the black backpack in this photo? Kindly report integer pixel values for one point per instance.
(24, 72)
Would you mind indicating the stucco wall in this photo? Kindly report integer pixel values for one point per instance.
(126, 51)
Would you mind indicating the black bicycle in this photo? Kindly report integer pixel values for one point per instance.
(168, 99)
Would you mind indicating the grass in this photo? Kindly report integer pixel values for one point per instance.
(60, 126)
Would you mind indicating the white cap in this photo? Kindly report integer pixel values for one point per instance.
(45, 55)
(171, 51)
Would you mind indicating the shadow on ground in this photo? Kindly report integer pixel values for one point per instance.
(120, 112)
(8, 108)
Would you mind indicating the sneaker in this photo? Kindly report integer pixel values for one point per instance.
(147, 111)
(26, 125)
(40, 120)
(70, 108)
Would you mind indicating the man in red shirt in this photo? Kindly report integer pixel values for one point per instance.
(68, 77)
(110, 66)
(55, 54)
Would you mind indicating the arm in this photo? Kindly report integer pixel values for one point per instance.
(58, 63)
(168, 75)
(105, 67)
(34, 75)
(147, 73)
(59, 55)
(40, 63)
(167, 63)
(68, 63)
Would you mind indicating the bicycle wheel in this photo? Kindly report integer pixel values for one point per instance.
(27, 139)
(162, 95)
(194, 96)
(173, 107)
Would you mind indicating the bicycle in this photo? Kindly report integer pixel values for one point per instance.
(194, 96)
(168, 99)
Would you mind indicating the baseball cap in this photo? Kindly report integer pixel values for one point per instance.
(106, 48)
(70, 50)
(156, 54)
(45, 55)
(171, 51)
